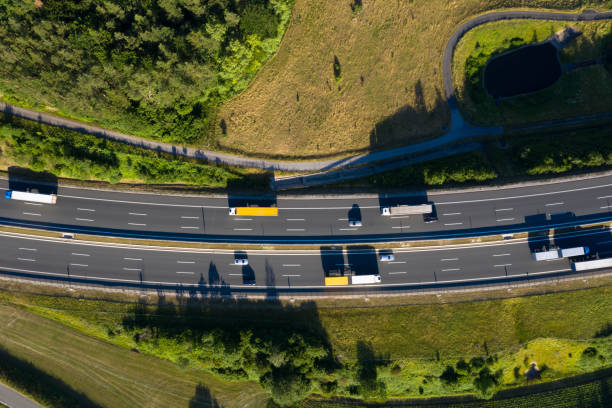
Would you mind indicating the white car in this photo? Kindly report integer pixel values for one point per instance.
(386, 211)
(354, 223)
(232, 211)
(387, 258)
(241, 261)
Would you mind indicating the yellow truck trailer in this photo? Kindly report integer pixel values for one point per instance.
(336, 280)
(254, 211)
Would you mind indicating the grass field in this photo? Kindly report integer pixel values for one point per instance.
(594, 393)
(107, 375)
(389, 89)
(405, 349)
(578, 92)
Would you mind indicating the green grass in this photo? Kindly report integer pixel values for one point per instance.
(578, 92)
(594, 393)
(393, 351)
(109, 376)
(66, 153)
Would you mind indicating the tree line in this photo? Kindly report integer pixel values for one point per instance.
(156, 68)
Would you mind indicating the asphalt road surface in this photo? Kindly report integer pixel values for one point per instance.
(214, 270)
(13, 399)
(315, 220)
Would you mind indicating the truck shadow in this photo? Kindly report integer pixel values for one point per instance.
(23, 179)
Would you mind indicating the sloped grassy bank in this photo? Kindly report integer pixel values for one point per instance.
(374, 353)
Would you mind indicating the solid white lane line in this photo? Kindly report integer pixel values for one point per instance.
(29, 213)
(397, 262)
(292, 265)
(139, 214)
(132, 269)
(84, 219)
(77, 254)
(76, 264)
(295, 219)
(86, 209)
(601, 198)
(451, 269)
(502, 254)
(28, 249)
(243, 229)
(454, 223)
(243, 219)
(396, 273)
(553, 204)
(137, 224)
(133, 259)
(504, 209)
(291, 275)
(187, 217)
(27, 259)
(187, 227)
(449, 259)
(185, 273)
(296, 229)
(185, 262)
(505, 219)
(502, 265)
(448, 214)
(606, 206)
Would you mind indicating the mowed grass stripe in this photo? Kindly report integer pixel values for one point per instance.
(109, 375)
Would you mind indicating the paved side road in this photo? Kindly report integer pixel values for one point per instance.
(13, 399)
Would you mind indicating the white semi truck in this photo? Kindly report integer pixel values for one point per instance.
(31, 197)
(559, 253)
(596, 264)
(407, 210)
(365, 279)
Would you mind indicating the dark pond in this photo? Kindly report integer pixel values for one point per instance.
(524, 70)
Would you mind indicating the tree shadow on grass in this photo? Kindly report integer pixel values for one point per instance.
(203, 398)
(411, 123)
(49, 390)
(367, 363)
(284, 346)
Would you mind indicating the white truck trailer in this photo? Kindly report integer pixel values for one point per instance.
(407, 210)
(31, 197)
(596, 264)
(365, 279)
(559, 253)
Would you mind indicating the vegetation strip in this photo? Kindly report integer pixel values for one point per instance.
(487, 346)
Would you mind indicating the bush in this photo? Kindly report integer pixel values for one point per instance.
(449, 376)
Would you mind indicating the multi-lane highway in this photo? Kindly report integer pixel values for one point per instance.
(316, 220)
(286, 271)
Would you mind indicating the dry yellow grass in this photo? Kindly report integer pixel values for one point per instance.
(390, 92)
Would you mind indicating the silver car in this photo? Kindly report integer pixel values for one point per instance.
(354, 223)
(241, 261)
(387, 258)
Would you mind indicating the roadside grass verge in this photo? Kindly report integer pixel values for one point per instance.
(571, 392)
(578, 92)
(60, 367)
(390, 93)
(512, 157)
(382, 351)
(65, 153)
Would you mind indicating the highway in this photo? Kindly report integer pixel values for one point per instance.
(314, 220)
(214, 271)
(14, 399)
